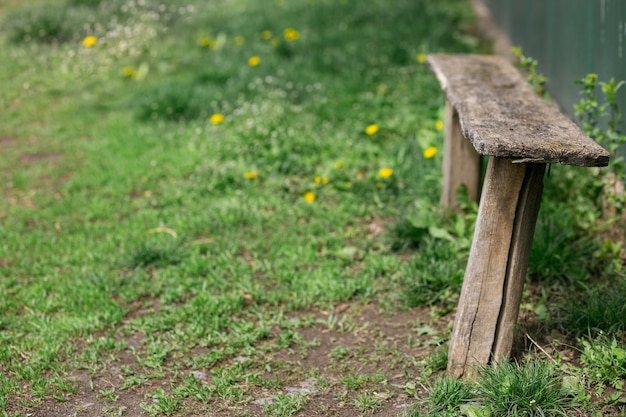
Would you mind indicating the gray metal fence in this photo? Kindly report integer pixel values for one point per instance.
(569, 39)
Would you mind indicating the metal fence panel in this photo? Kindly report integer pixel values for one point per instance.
(569, 38)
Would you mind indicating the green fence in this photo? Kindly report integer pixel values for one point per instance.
(569, 38)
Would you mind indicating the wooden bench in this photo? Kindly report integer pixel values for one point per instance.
(490, 103)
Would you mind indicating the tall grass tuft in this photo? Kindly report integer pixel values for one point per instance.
(532, 389)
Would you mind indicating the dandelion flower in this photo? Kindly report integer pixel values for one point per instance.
(385, 172)
(239, 40)
(338, 164)
(325, 180)
(439, 125)
(266, 35)
(371, 129)
(430, 152)
(216, 118)
(348, 184)
(253, 61)
(90, 41)
(309, 196)
(251, 175)
(317, 179)
(275, 42)
(205, 42)
(291, 34)
(128, 72)
(421, 58)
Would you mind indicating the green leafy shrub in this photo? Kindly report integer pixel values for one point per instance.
(592, 114)
(604, 361)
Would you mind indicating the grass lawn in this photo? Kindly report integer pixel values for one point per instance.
(229, 208)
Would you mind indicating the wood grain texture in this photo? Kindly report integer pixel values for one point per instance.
(482, 293)
(461, 162)
(502, 116)
(519, 255)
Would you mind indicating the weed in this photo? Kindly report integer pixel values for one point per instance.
(339, 352)
(592, 114)
(285, 405)
(108, 394)
(532, 389)
(537, 80)
(367, 401)
(161, 404)
(355, 381)
(436, 361)
(113, 411)
(604, 361)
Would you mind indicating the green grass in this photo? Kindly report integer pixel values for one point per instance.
(534, 388)
(127, 213)
(144, 238)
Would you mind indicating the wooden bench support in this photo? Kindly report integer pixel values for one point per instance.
(461, 162)
(487, 311)
(492, 109)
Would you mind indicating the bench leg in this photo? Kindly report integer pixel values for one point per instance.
(461, 162)
(494, 279)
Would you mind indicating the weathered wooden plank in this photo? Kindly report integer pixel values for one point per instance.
(519, 255)
(502, 116)
(482, 293)
(461, 162)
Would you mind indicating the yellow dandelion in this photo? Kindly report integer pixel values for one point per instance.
(325, 180)
(338, 164)
(291, 34)
(317, 179)
(266, 35)
(275, 42)
(347, 184)
(216, 118)
(421, 58)
(205, 42)
(90, 41)
(371, 129)
(251, 175)
(438, 125)
(385, 172)
(430, 152)
(128, 72)
(253, 61)
(239, 40)
(309, 196)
